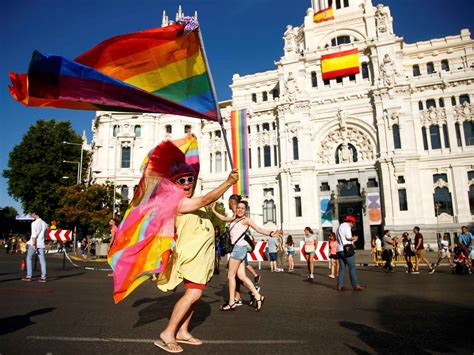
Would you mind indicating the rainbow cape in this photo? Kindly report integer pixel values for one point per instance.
(161, 70)
(146, 236)
(240, 150)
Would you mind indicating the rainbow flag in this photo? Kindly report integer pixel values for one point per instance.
(160, 70)
(340, 64)
(240, 150)
(146, 236)
(324, 15)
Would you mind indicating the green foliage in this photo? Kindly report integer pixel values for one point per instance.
(36, 167)
(216, 221)
(89, 208)
(7, 219)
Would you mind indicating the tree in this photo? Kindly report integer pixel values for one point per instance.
(89, 208)
(36, 165)
(7, 220)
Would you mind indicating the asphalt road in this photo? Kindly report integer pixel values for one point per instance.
(73, 313)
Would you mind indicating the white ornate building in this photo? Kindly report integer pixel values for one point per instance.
(392, 145)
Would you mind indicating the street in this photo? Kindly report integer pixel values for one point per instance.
(73, 313)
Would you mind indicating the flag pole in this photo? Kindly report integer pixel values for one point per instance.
(213, 89)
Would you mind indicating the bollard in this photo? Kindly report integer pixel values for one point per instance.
(64, 259)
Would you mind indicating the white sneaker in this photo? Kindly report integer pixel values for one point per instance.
(311, 276)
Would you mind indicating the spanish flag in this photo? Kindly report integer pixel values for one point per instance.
(324, 15)
(340, 64)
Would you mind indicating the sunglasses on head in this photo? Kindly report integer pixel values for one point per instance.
(185, 179)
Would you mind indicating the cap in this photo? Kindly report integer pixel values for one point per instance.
(350, 219)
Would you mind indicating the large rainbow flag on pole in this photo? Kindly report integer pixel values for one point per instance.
(240, 150)
(162, 70)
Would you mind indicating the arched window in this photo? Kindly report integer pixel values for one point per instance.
(124, 192)
(218, 162)
(169, 129)
(442, 201)
(425, 138)
(346, 153)
(314, 80)
(269, 211)
(187, 129)
(259, 157)
(471, 198)
(420, 105)
(435, 137)
(267, 156)
(453, 100)
(210, 162)
(365, 71)
(340, 40)
(445, 65)
(416, 70)
(266, 126)
(464, 98)
(296, 152)
(441, 102)
(430, 103)
(445, 135)
(468, 132)
(254, 97)
(430, 68)
(138, 131)
(458, 134)
(116, 130)
(396, 137)
(264, 96)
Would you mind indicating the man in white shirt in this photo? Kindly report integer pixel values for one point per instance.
(36, 245)
(344, 237)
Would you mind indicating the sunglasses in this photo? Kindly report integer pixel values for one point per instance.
(185, 179)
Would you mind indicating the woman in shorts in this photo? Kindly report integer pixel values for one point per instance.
(333, 256)
(238, 228)
(309, 249)
(290, 252)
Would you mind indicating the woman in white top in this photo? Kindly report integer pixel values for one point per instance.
(310, 243)
(237, 228)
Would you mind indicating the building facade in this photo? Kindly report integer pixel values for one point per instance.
(392, 145)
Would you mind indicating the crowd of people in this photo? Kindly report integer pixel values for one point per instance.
(458, 254)
(13, 245)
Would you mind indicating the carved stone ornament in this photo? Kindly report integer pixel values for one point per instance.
(388, 72)
(291, 88)
(433, 115)
(290, 39)
(445, 218)
(126, 130)
(350, 135)
(391, 118)
(463, 112)
(440, 183)
(381, 19)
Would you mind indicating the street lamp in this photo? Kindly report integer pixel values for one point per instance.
(79, 165)
(79, 175)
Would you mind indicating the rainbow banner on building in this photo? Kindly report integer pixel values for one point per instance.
(240, 150)
(161, 70)
(324, 15)
(340, 64)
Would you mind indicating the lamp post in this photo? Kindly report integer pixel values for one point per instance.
(79, 165)
(79, 175)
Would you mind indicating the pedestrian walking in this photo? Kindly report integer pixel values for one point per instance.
(346, 254)
(408, 253)
(290, 252)
(333, 255)
(443, 250)
(273, 245)
(465, 243)
(280, 255)
(193, 259)
(310, 243)
(387, 254)
(236, 266)
(420, 252)
(36, 246)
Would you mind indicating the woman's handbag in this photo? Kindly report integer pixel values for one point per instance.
(348, 250)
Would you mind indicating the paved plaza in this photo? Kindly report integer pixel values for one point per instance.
(73, 313)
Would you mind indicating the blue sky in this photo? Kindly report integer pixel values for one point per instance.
(241, 36)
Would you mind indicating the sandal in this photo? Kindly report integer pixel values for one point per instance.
(228, 307)
(259, 303)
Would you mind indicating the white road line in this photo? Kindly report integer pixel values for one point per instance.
(126, 340)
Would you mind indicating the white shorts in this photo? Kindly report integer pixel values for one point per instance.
(445, 255)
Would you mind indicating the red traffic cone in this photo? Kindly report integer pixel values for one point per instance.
(23, 264)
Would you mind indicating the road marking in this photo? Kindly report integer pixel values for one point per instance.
(24, 290)
(125, 340)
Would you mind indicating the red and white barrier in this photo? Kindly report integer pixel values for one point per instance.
(59, 234)
(259, 252)
(321, 253)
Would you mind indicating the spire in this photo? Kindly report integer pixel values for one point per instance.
(180, 13)
(196, 14)
(164, 20)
